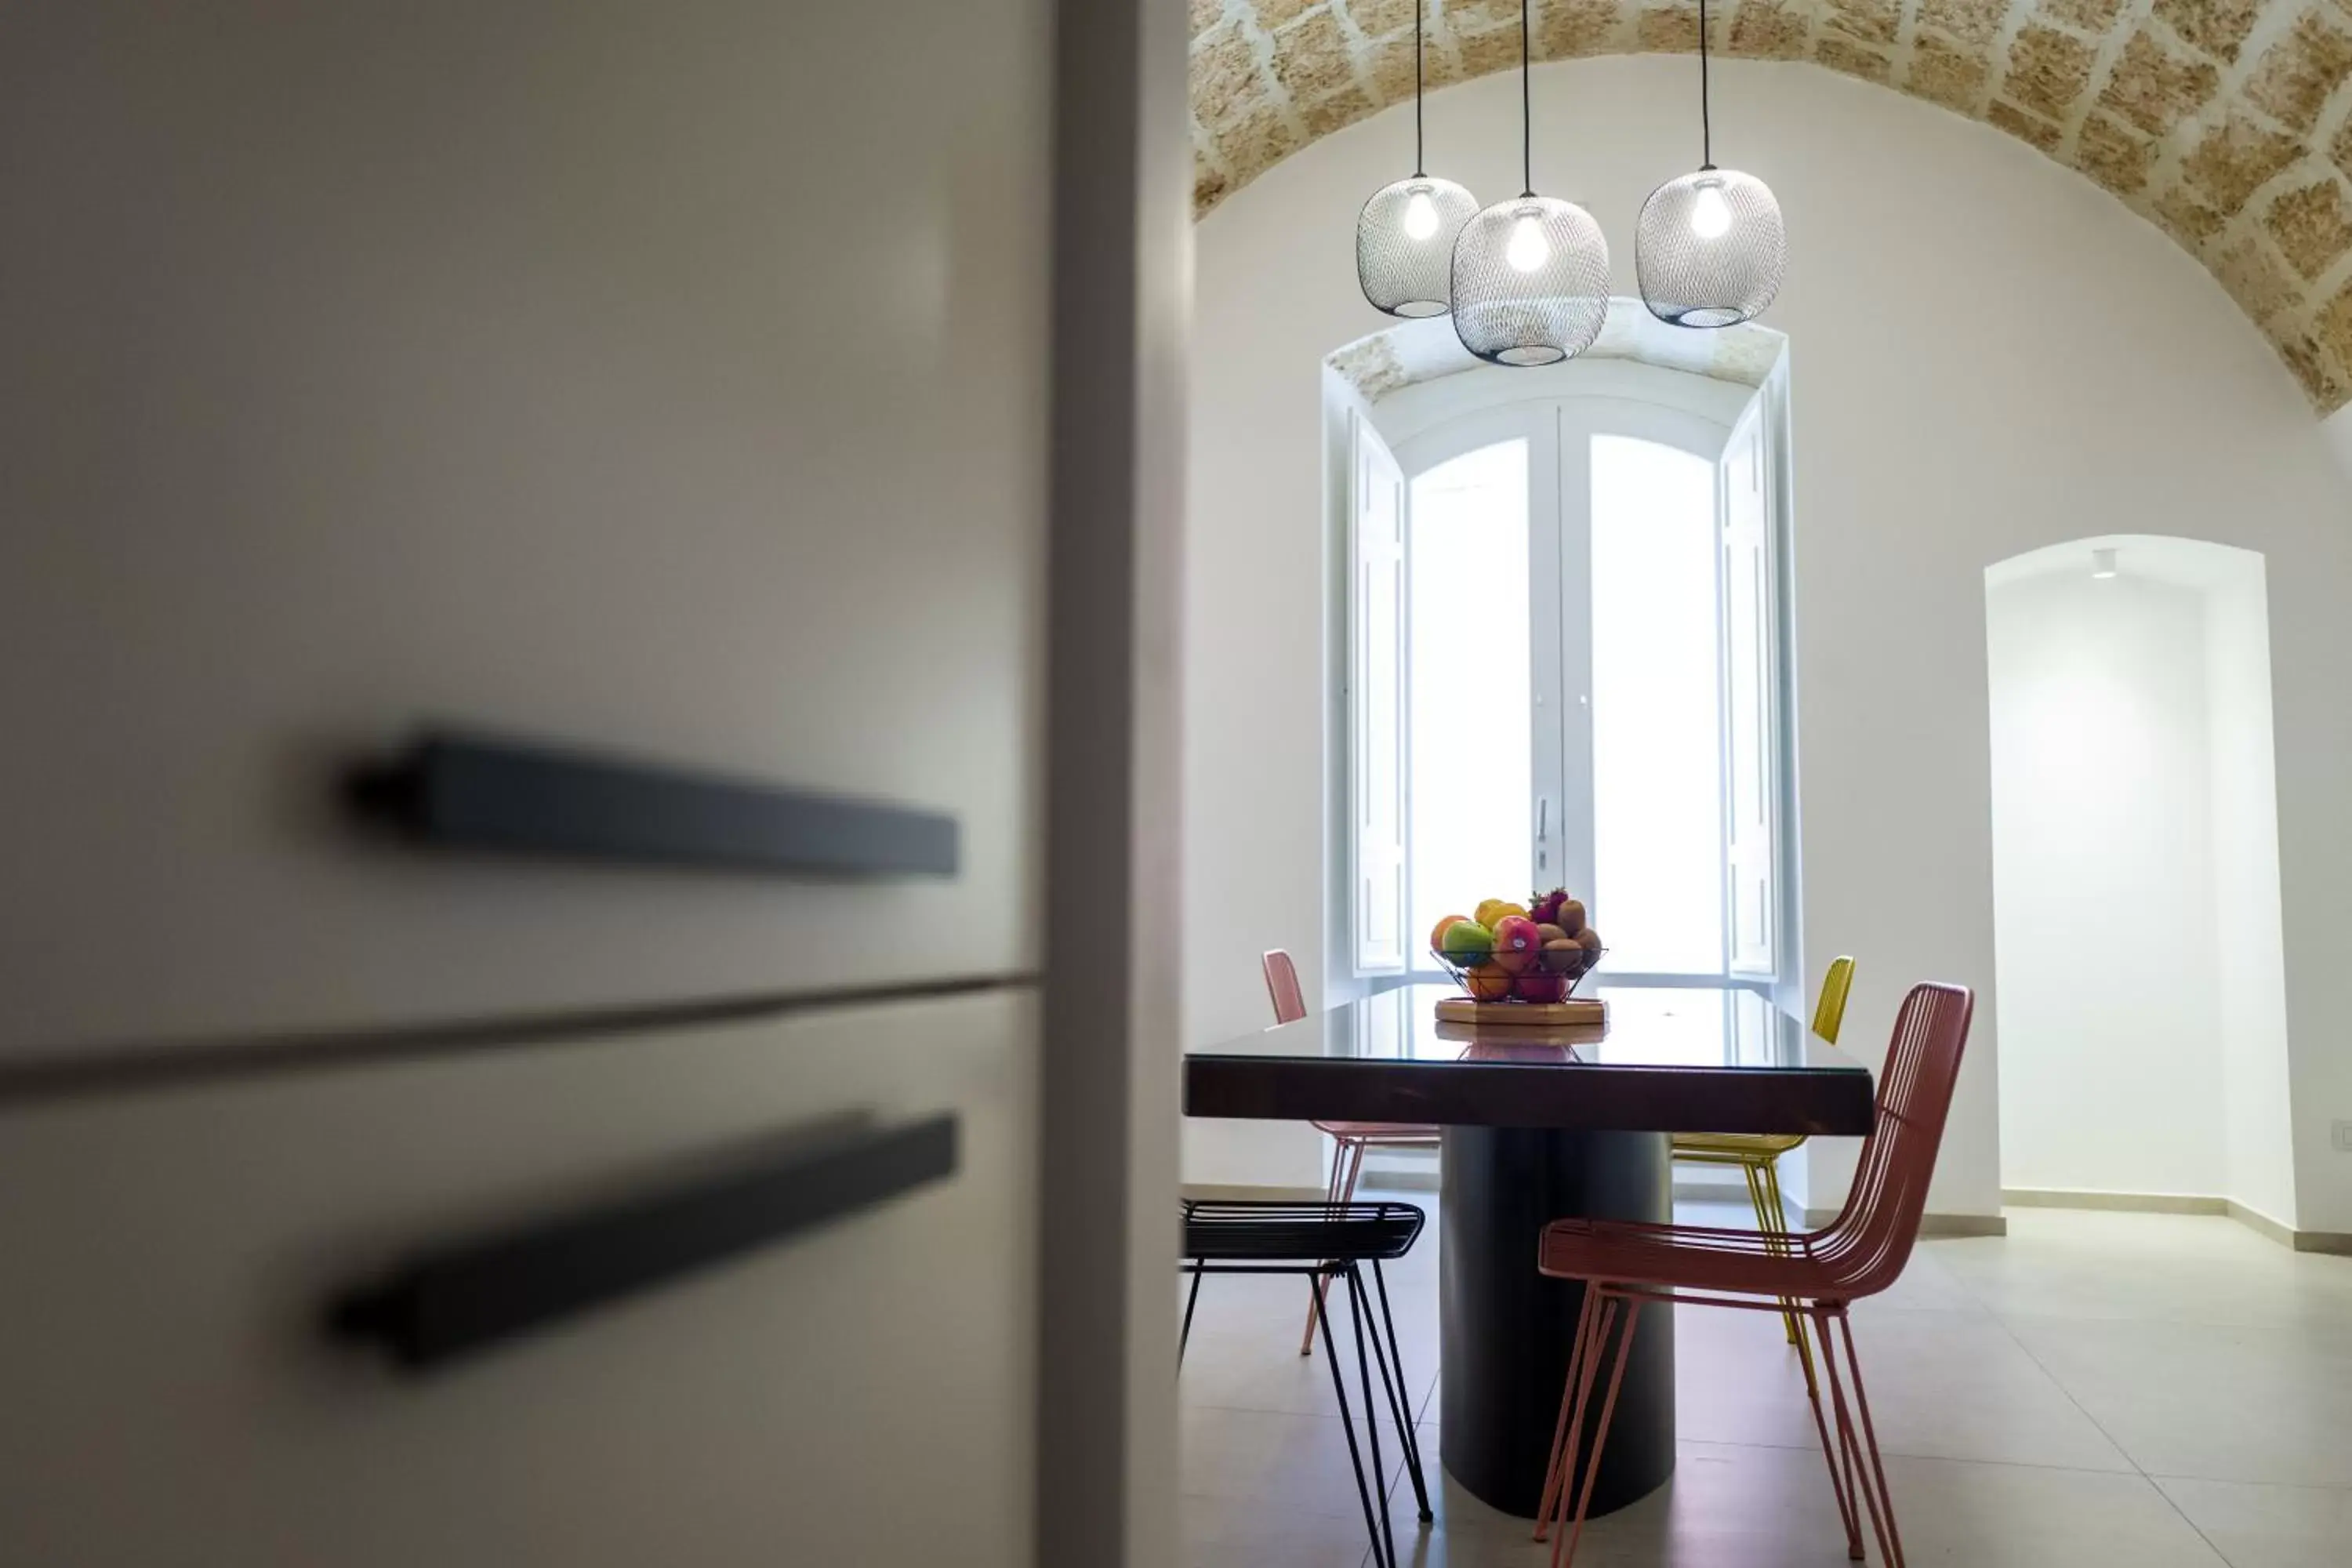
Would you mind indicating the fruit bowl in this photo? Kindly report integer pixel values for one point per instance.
(1535, 953)
(1535, 982)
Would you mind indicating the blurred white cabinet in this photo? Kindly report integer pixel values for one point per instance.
(861, 1393)
(670, 379)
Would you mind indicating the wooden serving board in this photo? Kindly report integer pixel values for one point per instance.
(1522, 1015)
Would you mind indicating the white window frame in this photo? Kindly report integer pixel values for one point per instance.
(1379, 913)
(1557, 410)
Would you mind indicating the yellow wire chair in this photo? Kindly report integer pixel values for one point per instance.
(1758, 1154)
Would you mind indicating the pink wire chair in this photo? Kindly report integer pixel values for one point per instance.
(1627, 1266)
(1351, 1138)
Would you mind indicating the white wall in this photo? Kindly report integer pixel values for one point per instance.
(1988, 353)
(2103, 871)
(2248, 942)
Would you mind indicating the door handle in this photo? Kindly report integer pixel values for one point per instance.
(466, 1295)
(464, 789)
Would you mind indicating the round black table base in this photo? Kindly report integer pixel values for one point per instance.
(1507, 1328)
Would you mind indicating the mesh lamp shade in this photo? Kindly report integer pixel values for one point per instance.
(1710, 248)
(1531, 281)
(1404, 245)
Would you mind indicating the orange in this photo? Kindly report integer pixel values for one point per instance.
(1489, 982)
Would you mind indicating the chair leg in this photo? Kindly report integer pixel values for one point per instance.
(1347, 1157)
(1774, 1216)
(1563, 1550)
(1831, 1450)
(1191, 1299)
(1789, 1309)
(1586, 1313)
(1890, 1538)
(1771, 1223)
(1859, 1476)
(1359, 1321)
(1402, 1407)
(1348, 1425)
(1588, 1366)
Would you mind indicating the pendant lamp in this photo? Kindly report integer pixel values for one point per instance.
(1711, 247)
(1404, 236)
(1530, 274)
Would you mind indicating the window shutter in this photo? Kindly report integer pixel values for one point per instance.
(1751, 740)
(1376, 699)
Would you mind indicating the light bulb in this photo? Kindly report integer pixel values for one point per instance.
(1420, 216)
(1528, 249)
(1710, 216)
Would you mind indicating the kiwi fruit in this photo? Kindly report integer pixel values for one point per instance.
(1570, 919)
(1590, 941)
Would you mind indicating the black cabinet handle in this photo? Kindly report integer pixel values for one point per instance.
(464, 789)
(453, 1300)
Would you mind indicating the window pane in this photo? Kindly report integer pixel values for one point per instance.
(1657, 770)
(1470, 701)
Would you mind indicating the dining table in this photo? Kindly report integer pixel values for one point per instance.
(1539, 1123)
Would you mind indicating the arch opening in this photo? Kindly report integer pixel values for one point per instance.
(2135, 875)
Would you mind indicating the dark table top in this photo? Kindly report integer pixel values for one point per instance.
(1698, 1058)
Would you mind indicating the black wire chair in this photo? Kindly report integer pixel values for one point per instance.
(1323, 1242)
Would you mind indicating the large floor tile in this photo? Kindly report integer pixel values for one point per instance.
(1941, 1385)
(2197, 1400)
(1732, 1507)
(1272, 1457)
(2268, 1527)
(1244, 1350)
(1926, 1284)
(2058, 1263)
(1224, 1532)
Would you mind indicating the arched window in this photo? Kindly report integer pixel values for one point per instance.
(1568, 666)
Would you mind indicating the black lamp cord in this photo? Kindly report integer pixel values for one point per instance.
(1526, 112)
(1417, 170)
(1706, 129)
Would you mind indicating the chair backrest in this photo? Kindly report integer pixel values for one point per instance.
(1282, 984)
(1829, 1012)
(1872, 1239)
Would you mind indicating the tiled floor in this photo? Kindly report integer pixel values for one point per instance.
(2091, 1389)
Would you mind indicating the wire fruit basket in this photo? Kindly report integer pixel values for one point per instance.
(1543, 977)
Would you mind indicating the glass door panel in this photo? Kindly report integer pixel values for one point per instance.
(1657, 709)
(1467, 639)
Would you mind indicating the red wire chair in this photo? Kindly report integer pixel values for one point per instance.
(1627, 1266)
(1351, 1138)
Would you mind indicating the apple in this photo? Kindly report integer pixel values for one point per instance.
(1437, 932)
(1467, 940)
(1516, 942)
(1538, 986)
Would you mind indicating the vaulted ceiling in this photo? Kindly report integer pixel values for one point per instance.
(2225, 123)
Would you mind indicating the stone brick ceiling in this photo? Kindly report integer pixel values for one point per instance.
(2225, 123)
